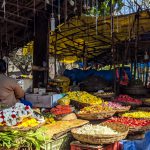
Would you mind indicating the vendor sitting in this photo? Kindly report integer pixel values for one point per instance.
(10, 91)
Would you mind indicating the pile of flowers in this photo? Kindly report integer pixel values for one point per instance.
(15, 114)
(128, 99)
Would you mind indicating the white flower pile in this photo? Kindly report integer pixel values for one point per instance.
(95, 130)
(13, 115)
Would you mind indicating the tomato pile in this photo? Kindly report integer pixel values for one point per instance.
(132, 122)
(128, 99)
(61, 110)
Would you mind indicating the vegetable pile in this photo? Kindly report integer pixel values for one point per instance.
(137, 114)
(131, 122)
(128, 99)
(95, 130)
(16, 139)
(61, 110)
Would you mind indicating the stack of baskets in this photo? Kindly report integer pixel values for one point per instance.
(96, 116)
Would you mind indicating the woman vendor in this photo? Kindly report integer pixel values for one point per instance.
(10, 91)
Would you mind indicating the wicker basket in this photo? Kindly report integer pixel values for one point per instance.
(145, 102)
(110, 95)
(128, 104)
(6, 128)
(103, 139)
(96, 116)
(79, 105)
(136, 136)
(133, 130)
(144, 108)
(127, 108)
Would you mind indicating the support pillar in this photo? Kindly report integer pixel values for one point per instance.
(41, 51)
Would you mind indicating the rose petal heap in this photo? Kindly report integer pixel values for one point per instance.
(128, 99)
(131, 122)
(137, 114)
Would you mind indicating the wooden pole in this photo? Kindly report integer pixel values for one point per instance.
(41, 51)
(113, 45)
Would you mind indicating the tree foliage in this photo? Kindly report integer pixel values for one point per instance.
(22, 62)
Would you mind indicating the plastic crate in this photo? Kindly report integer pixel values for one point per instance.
(62, 143)
(76, 145)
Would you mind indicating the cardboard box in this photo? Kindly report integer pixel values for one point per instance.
(43, 101)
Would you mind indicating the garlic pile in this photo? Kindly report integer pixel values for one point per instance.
(95, 130)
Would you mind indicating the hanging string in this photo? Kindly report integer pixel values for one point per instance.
(92, 4)
(46, 2)
(1, 45)
(52, 7)
(129, 23)
(13, 38)
(104, 20)
(117, 22)
(81, 7)
(75, 6)
(88, 5)
(112, 19)
(59, 11)
(85, 6)
(6, 35)
(96, 17)
(52, 19)
(4, 8)
(34, 11)
(17, 8)
(66, 15)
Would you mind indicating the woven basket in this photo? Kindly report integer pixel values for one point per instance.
(79, 105)
(133, 130)
(145, 128)
(110, 95)
(144, 108)
(128, 104)
(146, 102)
(136, 136)
(6, 128)
(103, 139)
(127, 108)
(96, 116)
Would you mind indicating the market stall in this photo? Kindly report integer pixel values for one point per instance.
(78, 116)
(86, 108)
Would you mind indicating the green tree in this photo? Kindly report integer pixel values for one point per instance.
(22, 62)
